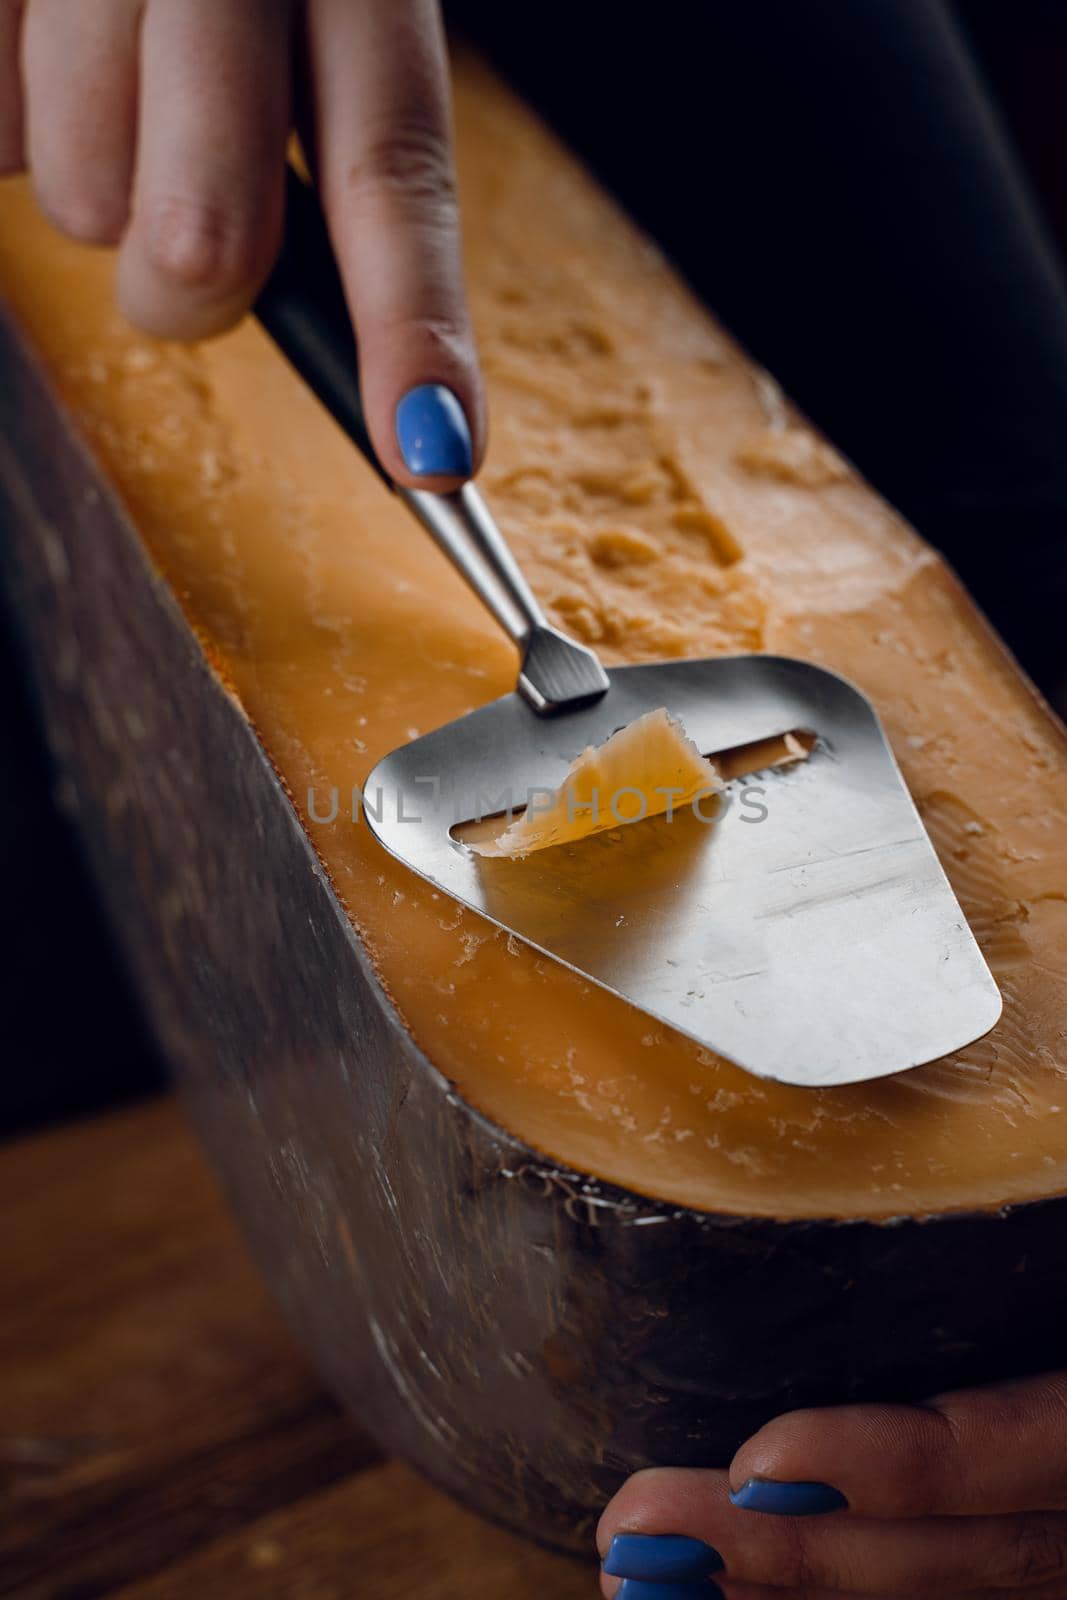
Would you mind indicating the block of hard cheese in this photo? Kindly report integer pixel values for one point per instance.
(665, 501)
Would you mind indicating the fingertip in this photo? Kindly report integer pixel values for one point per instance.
(779, 1449)
(70, 114)
(217, 251)
(433, 435)
(152, 306)
(780, 1499)
(190, 270)
(94, 217)
(661, 1500)
(428, 429)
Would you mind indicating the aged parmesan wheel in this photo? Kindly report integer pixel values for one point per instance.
(534, 1241)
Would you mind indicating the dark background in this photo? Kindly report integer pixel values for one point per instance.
(872, 195)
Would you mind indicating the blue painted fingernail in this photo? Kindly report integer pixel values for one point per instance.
(433, 433)
(639, 1589)
(788, 1499)
(660, 1558)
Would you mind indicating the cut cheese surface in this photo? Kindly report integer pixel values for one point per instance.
(664, 501)
(648, 769)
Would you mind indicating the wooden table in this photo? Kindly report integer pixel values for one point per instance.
(161, 1435)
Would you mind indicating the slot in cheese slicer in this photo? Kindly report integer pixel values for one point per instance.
(819, 944)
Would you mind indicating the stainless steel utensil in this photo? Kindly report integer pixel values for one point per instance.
(808, 933)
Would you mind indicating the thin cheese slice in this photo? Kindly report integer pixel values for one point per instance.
(647, 769)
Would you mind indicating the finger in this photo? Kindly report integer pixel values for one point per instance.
(861, 1555)
(11, 142)
(79, 68)
(996, 1449)
(208, 184)
(382, 137)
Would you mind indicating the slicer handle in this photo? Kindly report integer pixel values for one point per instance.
(302, 306)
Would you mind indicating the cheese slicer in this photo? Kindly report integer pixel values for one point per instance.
(807, 933)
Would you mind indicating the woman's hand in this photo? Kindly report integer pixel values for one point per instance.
(161, 126)
(963, 1496)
